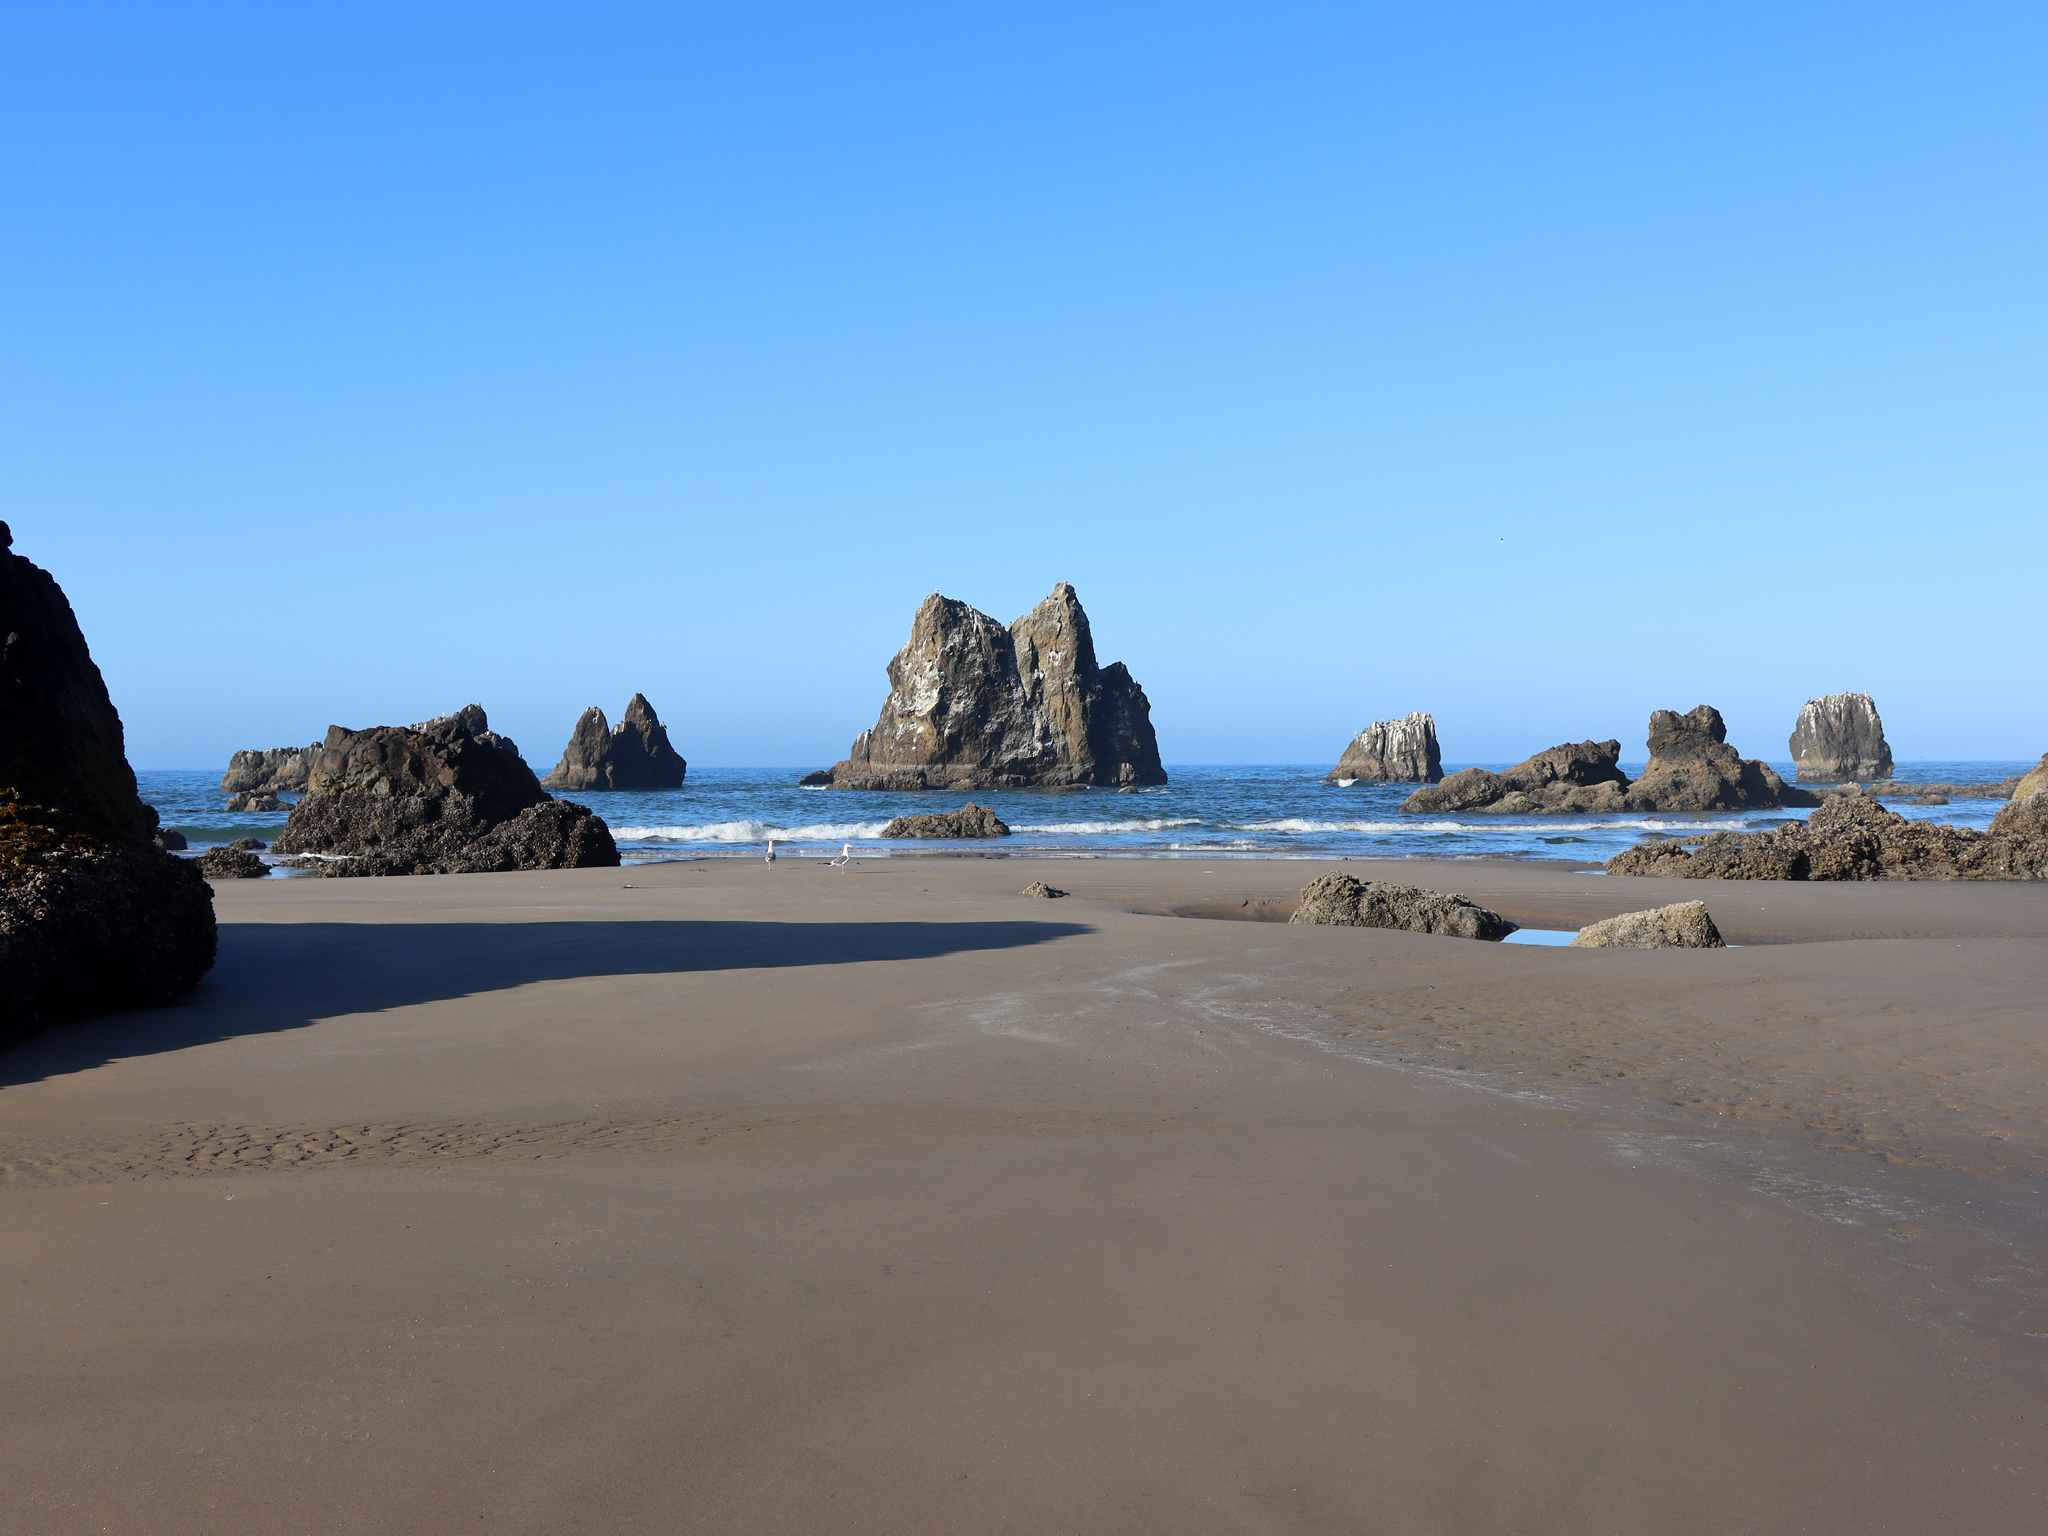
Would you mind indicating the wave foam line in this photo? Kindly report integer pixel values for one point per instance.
(752, 832)
(1102, 828)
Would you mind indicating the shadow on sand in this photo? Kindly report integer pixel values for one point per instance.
(272, 977)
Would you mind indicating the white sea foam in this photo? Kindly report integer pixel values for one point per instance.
(1104, 828)
(752, 832)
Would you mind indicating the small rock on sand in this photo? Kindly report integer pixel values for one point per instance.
(1338, 901)
(1040, 888)
(1682, 925)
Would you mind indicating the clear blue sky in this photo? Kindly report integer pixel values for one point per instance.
(1534, 365)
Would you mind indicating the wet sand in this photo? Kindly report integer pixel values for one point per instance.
(721, 1197)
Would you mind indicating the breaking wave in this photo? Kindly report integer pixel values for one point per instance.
(752, 832)
(1106, 828)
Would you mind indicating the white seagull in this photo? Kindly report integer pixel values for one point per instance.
(845, 856)
(771, 850)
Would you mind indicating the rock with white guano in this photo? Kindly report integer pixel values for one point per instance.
(1840, 739)
(1400, 751)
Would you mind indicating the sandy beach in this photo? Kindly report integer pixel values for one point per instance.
(724, 1197)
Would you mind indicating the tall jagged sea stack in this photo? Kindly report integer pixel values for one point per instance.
(1400, 751)
(973, 705)
(634, 754)
(93, 913)
(1840, 739)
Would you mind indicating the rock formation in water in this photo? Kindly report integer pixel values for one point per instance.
(1573, 776)
(1852, 837)
(1337, 900)
(278, 769)
(1682, 925)
(1840, 738)
(447, 796)
(969, 821)
(973, 705)
(1400, 751)
(94, 914)
(254, 800)
(1692, 768)
(634, 754)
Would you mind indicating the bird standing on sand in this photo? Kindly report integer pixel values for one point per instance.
(771, 850)
(845, 856)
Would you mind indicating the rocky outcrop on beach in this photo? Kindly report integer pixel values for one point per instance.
(1337, 900)
(1840, 738)
(634, 754)
(1572, 776)
(1692, 768)
(969, 821)
(230, 863)
(1400, 751)
(1041, 889)
(2032, 782)
(973, 705)
(94, 914)
(447, 796)
(1855, 838)
(1682, 925)
(274, 770)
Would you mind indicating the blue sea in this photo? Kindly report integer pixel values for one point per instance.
(1205, 812)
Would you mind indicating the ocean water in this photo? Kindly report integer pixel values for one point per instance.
(1205, 812)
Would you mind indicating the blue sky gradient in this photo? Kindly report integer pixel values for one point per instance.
(1536, 366)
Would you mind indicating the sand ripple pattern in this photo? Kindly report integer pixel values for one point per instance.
(191, 1149)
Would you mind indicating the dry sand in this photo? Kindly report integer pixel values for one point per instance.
(730, 1198)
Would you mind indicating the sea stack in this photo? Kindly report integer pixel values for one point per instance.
(1400, 751)
(94, 914)
(278, 770)
(1692, 768)
(973, 705)
(634, 754)
(1571, 776)
(445, 797)
(1840, 739)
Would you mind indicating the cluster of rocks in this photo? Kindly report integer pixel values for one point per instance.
(1691, 768)
(94, 913)
(634, 754)
(1840, 737)
(970, 820)
(973, 705)
(1852, 837)
(446, 796)
(1400, 751)
(1338, 900)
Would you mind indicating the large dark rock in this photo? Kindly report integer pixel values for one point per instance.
(1692, 768)
(94, 914)
(1854, 838)
(1840, 738)
(1400, 751)
(973, 705)
(271, 771)
(230, 863)
(1337, 900)
(448, 796)
(634, 754)
(969, 821)
(1573, 776)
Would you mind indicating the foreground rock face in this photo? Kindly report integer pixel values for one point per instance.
(634, 754)
(94, 914)
(969, 821)
(278, 769)
(1338, 901)
(1855, 838)
(1692, 768)
(1573, 776)
(447, 796)
(1400, 751)
(1840, 738)
(973, 705)
(1683, 925)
